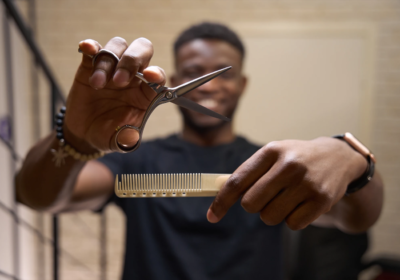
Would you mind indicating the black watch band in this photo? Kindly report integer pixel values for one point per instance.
(366, 177)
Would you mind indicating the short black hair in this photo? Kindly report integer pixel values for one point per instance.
(209, 30)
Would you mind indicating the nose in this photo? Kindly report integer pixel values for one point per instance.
(209, 87)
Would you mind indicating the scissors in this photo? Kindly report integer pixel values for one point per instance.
(165, 95)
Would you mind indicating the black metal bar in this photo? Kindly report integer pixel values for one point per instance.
(55, 248)
(53, 104)
(25, 31)
(103, 246)
(11, 149)
(36, 132)
(22, 222)
(10, 104)
(56, 261)
(41, 255)
(42, 237)
(9, 276)
(56, 95)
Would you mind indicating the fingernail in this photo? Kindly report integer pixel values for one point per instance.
(211, 217)
(121, 77)
(98, 79)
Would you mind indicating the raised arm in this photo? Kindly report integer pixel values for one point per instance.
(102, 97)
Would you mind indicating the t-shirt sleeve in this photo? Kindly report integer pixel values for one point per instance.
(114, 162)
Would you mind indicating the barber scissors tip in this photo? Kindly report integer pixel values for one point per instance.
(186, 87)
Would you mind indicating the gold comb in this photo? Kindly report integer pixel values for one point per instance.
(169, 185)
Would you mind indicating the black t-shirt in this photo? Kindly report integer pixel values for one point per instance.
(170, 238)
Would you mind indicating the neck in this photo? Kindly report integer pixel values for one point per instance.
(208, 136)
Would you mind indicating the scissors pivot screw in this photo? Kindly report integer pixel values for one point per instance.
(168, 95)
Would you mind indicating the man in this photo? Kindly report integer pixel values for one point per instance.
(300, 182)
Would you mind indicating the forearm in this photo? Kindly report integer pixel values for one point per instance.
(40, 184)
(357, 212)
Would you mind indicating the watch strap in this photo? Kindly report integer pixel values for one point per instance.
(366, 177)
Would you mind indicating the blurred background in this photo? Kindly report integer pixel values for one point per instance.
(315, 68)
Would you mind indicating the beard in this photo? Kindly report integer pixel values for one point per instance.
(196, 125)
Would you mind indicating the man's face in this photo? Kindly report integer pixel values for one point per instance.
(203, 56)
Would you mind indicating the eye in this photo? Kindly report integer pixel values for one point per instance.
(191, 74)
(227, 75)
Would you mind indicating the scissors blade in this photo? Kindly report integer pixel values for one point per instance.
(186, 87)
(188, 104)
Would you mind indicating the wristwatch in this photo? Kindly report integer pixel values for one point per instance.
(359, 147)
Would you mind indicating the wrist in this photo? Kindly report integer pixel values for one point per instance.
(77, 143)
(84, 152)
(359, 164)
(368, 159)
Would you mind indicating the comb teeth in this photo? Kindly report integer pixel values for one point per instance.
(168, 185)
(147, 185)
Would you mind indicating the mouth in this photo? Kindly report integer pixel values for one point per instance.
(209, 104)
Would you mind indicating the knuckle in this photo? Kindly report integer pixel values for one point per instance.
(323, 199)
(294, 168)
(324, 196)
(131, 60)
(270, 220)
(292, 165)
(120, 41)
(325, 202)
(273, 147)
(295, 225)
(314, 189)
(105, 62)
(234, 183)
(248, 205)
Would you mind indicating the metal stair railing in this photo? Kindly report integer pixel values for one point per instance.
(56, 100)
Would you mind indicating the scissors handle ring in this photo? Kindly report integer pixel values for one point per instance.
(158, 100)
(123, 149)
(104, 51)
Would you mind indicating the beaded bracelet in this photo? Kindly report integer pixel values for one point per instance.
(66, 150)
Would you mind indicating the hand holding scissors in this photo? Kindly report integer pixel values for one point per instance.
(164, 95)
(124, 106)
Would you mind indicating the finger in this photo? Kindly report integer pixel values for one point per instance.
(135, 59)
(281, 206)
(152, 74)
(245, 176)
(283, 175)
(155, 74)
(305, 214)
(105, 63)
(89, 48)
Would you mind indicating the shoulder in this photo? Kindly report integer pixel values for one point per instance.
(245, 144)
(158, 144)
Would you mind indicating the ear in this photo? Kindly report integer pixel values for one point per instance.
(242, 84)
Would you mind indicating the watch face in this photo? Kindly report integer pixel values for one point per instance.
(358, 146)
